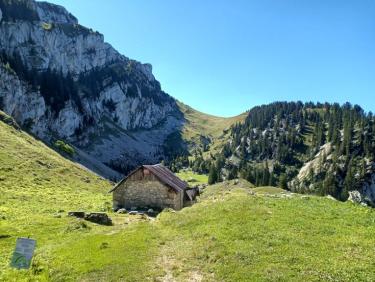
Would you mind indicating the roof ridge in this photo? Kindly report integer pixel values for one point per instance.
(163, 173)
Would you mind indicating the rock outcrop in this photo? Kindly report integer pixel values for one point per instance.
(363, 193)
(368, 191)
(356, 197)
(62, 80)
(99, 218)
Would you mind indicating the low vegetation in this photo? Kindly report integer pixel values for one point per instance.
(234, 233)
(202, 135)
(241, 237)
(46, 26)
(199, 123)
(192, 178)
(64, 147)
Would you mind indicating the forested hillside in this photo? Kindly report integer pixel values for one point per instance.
(304, 147)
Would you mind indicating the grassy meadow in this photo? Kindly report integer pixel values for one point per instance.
(215, 128)
(234, 233)
(192, 178)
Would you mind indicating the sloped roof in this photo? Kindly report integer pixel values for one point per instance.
(163, 174)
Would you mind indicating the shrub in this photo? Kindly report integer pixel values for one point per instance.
(77, 225)
(65, 148)
(46, 26)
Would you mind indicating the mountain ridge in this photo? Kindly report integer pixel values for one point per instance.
(61, 80)
(326, 149)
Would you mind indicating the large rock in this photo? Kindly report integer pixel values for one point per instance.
(99, 218)
(315, 164)
(122, 211)
(78, 214)
(355, 197)
(368, 191)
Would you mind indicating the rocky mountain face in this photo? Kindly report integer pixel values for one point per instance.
(61, 80)
(325, 149)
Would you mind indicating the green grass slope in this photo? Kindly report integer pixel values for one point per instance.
(244, 237)
(202, 123)
(199, 125)
(37, 189)
(192, 178)
(231, 234)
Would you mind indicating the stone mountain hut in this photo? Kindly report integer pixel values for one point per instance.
(152, 186)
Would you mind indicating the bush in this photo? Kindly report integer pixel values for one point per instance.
(77, 225)
(46, 26)
(65, 148)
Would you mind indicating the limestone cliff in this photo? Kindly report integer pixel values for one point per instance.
(61, 80)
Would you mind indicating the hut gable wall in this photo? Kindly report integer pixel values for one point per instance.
(143, 189)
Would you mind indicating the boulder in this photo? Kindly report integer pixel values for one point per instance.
(78, 214)
(99, 218)
(169, 210)
(355, 197)
(122, 211)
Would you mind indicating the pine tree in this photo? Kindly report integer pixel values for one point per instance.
(213, 175)
(272, 180)
(283, 182)
(349, 182)
(257, 177)
(233, 173)
(266, 175)
(330, 185)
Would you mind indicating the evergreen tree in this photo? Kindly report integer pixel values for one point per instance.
(349, 182)
(266, 175)
(330, 185)
(213, 175)
(283, 182)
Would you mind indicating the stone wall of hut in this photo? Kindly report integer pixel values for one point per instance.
(143, 189)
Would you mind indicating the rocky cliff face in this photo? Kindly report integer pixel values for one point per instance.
(63, 81)
(308, 177)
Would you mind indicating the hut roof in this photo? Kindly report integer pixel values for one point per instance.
(163, 174)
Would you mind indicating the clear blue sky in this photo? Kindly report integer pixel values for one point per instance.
(223, 57)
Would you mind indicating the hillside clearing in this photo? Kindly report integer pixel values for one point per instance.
(213, 128)
(192, 178)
